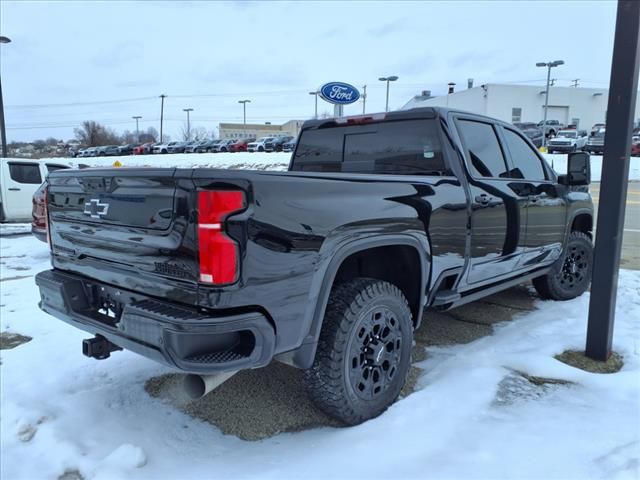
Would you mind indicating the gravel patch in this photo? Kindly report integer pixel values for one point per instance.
(10, 340)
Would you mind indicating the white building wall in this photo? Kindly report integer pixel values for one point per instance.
(588, 105)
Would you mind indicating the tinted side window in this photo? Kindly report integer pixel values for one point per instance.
(526, 163)
(408, 147)
(319, 150)
(25, 173)
(487, 159)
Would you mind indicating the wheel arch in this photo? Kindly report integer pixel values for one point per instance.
(353, 252)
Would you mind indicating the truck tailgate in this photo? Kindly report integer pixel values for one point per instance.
(127, 227)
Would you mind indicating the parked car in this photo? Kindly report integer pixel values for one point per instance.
(532, 131)
(568, 141)
(19, 180)
(552, 127)
(163, 147)
(259, 144)
(275, 145)
(108, 151)
(222, 145)
(39, 213)
(330, 272)
(241, 145)
(191, 146)
(144, 149)
(289, 146)
(635, 146)
(207, 146)
(597, 126)
(595, 142)
(127, 149)
(90, 152)
(177, 147)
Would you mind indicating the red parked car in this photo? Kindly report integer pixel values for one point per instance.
(635, 149)
(143, 149)
(240, 145)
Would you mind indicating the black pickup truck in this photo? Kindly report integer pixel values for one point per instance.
(329, 266)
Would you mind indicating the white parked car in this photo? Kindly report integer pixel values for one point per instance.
(258, 145)
(568, 141)
(163, 147)
(19, 180)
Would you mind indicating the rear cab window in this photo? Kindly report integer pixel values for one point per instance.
(399, 147)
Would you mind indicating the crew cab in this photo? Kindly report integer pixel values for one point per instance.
(330, 266)
(568, 141)
(259, 144)
(19, 180)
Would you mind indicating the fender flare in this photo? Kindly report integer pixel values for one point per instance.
(305, 354)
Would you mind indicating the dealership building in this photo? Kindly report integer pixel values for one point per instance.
(525, 103)
(257, 130)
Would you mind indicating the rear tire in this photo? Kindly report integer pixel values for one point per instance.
(364, 351)
(570, 276)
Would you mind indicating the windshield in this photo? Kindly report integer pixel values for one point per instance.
(567, 134)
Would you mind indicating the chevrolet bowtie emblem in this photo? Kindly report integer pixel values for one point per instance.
(95, 209)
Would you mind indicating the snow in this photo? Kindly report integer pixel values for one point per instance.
(471, 417)
(277, 162)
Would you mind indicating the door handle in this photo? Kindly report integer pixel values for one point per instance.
(483, 199)
(14, 189)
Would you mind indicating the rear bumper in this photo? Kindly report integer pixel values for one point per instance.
(171, 334)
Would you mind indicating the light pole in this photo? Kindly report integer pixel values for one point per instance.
(549, 66)
(244, 116)
(392, 78)
(162, 97)
(364, 98)
(136, 118)
(316, 93)
(188, 122)
(3, 132)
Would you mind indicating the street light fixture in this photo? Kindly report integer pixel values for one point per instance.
(549, 66)
(3, 133)
(244, 116)
(188, 122)
(316, 93)
(392, 78)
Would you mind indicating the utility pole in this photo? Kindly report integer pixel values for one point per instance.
(188, 122)
(3, 132)
(549, 66)
(162, 97)
(623, 89)
(136, 118)
(575, 82)
(364, 99)
(244, 116)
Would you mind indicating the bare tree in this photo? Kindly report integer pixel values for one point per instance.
(199, 133)
(92, 134)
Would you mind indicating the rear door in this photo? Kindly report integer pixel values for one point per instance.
(497, 229)
(20, 180)
(542, 203)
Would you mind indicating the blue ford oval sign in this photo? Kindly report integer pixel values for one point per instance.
(339, 93)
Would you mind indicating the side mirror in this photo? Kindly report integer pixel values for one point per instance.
(578, 170)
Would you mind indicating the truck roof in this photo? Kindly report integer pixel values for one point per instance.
(409, 114)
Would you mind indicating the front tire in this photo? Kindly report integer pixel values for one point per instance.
(364, 351)
(571, 275)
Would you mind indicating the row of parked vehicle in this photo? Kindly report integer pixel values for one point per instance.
(280, 143)
(569, 139)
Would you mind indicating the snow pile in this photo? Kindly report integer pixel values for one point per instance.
(473, 415)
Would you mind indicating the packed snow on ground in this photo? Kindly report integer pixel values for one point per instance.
(469, 418)
(7, 229)
(277, 162)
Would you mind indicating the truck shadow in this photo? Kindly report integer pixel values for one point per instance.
(257, 404)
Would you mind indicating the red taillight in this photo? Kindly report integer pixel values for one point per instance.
(219, 262)
(46, 214)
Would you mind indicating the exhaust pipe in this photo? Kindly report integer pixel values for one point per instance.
(197, 386)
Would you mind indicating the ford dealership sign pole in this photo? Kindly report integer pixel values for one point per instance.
(339, 94)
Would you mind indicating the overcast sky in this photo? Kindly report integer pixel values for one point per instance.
(208, 55)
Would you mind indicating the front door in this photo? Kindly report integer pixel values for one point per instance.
(546, 208)
(497, 229)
